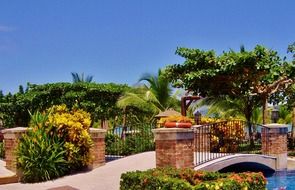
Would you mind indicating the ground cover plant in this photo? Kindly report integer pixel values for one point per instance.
(57, 143)
(187, 179)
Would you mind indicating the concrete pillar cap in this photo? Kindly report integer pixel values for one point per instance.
(95, 130)
(276, 125)
(15, 130)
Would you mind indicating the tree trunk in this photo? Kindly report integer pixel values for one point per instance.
(264, 110)
(250, 132)
(248, 114)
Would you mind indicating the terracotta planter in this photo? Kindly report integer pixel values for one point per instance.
(170, 124)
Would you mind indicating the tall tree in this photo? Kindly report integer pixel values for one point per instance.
(80, 77)
(250, 76)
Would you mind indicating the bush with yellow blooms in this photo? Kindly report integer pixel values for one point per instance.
(174, 118)
(73, 126)
(57, 143)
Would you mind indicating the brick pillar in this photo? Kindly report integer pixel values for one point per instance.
(274, 143)
(174, 147)
(11, 140)
(98, 149)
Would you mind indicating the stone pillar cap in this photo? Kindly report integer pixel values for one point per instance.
(172, 130)
(15, 130)
(275, 125)
(95, 130)
(197, 126)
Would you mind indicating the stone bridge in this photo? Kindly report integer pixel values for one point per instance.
(251, 162)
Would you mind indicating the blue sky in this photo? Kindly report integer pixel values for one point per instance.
(117, 41)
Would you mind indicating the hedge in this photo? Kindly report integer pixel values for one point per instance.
(188, 179)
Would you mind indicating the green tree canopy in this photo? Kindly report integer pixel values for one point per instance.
(249, 76)
(97, 99)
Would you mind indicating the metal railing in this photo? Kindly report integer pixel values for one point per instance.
(124, 141)
(224, 138)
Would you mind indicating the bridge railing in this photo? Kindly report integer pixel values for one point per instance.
(219, 139)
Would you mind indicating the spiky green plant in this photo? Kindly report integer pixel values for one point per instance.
(41, 154)
(80, 78)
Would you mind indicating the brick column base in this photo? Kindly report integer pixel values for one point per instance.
(274, 143)
(98, 149)
(174, 147)
(11, 140)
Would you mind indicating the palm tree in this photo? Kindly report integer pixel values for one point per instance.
(139, 98)
(159, 86)
(285, 115)
(152, 97)
(80, 78)
(223, 107)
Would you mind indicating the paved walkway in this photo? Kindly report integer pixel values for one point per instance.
(106, 177)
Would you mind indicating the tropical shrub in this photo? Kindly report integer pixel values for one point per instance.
(56, 144)
(207, 120)
(41, 155)
(188, 179)
(174, 118)
(225, 136)
(72, 126)
(139, 139)
(114, 144)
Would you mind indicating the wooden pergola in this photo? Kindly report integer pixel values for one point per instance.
(186, 102)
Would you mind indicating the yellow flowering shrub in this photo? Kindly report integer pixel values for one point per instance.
(207, 120)
(226, 135)
(175, 118)
(73, 126)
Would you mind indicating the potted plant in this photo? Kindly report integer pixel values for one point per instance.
(177, 122)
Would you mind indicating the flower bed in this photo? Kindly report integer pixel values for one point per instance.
(187, 179)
